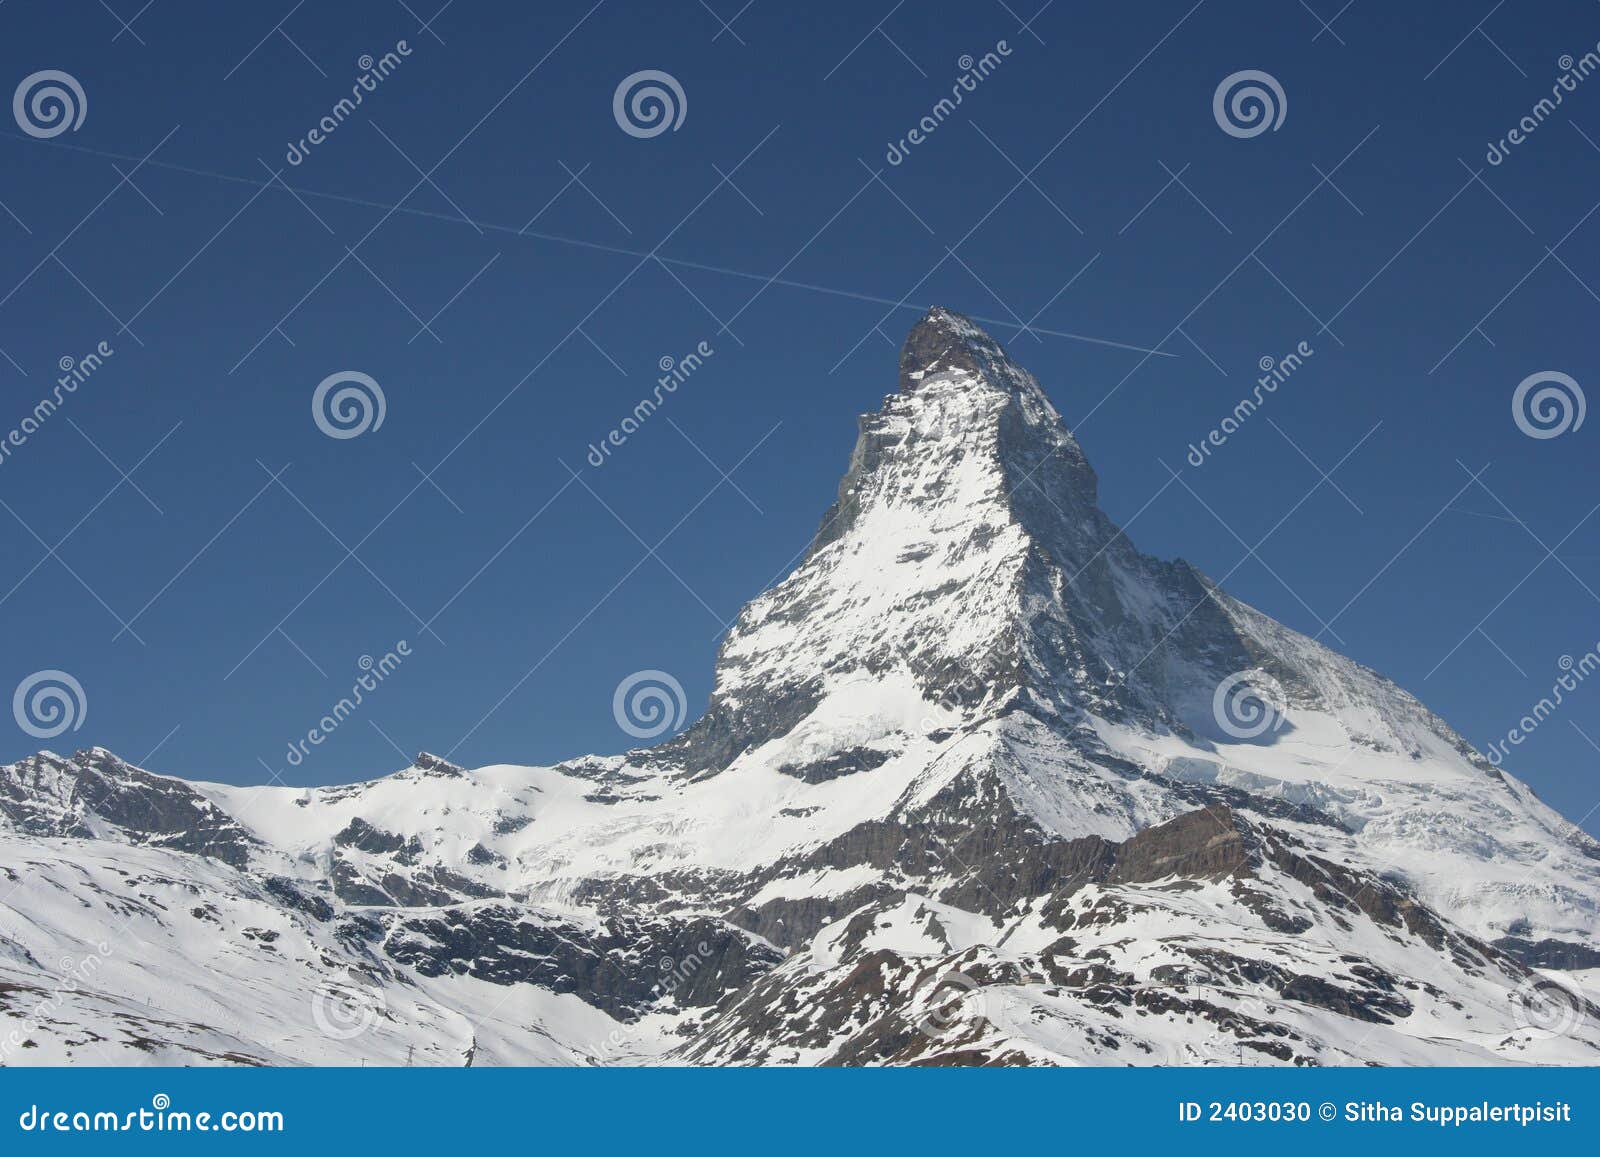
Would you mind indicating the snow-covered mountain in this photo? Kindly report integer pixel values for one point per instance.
(979, 783)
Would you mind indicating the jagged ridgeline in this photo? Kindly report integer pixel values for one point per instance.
(974, 786)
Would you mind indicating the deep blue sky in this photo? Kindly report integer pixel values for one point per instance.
(560, 330)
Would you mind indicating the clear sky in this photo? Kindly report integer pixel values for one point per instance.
(482, 238)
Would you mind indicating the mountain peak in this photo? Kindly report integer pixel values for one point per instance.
(967, 563)
(430, 764)
(945, 340)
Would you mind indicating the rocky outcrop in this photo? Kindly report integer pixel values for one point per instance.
(622, 966)
(93, 791)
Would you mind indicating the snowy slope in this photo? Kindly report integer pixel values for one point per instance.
(968, 790)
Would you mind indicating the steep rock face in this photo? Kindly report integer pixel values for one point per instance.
(912, 979)
(95, 792)
(967, 550)
(968, 791)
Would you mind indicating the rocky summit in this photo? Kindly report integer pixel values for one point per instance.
(979, 783)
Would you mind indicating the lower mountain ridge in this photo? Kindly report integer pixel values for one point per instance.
(979, 784)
